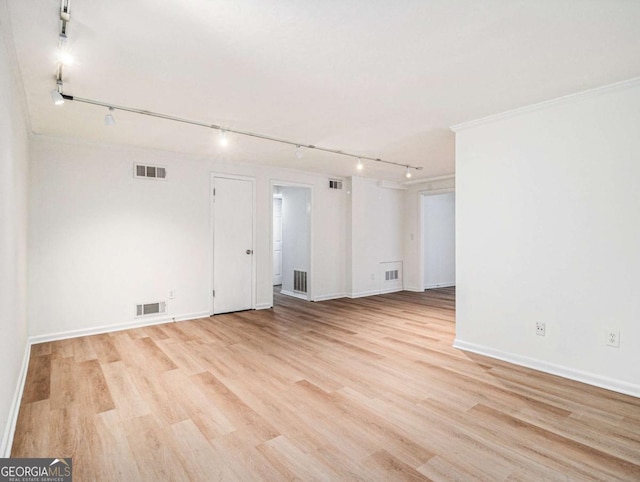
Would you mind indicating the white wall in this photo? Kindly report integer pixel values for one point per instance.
(439, 239)
(296, 217)
(377, 223)
(102, 241)
(547, 231)
(14, 166)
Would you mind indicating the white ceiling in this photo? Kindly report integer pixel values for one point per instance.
(378, 78)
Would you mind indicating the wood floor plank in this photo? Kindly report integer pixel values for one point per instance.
(104, 348)
(350, 389)
(39, 376)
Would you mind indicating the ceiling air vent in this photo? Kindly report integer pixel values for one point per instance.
(147, 309)
(149, 172)
(335, 184)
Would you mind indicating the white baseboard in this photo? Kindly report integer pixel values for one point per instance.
(362, 294)
(295, 295)
(439, 285)
(391, 290)
(63, 335)
(14, 410)
(619, 386)
(332, 296)
(263, 306)
(413, 289)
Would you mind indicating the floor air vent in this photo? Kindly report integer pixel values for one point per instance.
(299, 281)
(149, 172)
(151, 309)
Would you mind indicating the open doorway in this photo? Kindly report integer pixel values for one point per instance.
(291, 236)
(438, 240)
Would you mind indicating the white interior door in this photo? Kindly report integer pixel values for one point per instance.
(232, 245)
(277, 241)
(439, 240)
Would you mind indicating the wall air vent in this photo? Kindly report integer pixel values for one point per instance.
(149, 172)
(335, 184)
(299, 281)
(391, 275)
(147, 309)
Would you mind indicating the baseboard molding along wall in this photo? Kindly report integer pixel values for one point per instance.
(138, 323)
(553, 369)
(439, 285)
(333, 296)
(294, 295)
(362, 294)
(14, 410)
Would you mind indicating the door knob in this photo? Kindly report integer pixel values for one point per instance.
(249, 251)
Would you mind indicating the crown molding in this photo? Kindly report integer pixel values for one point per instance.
(429, 179)
(625, 84)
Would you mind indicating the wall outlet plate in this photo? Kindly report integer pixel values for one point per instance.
(613, 338)
(541, 329)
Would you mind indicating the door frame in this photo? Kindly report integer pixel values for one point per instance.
(273, 183)
(273, 198)
(212, 178)
(421, 235)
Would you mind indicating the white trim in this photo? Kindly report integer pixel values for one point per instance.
(543, 366)
(138, 323)
(362, 294)
(392, 185)
(264, 306)
(429, 179)
(331, 296)
(273, 183)
(439, 285)
(625, 84)
(391, 290)
(421, 230)
(300, 296)
(435, 192)
(414, 289)
(14, 409)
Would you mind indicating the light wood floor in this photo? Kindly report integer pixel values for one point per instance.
(366, 389)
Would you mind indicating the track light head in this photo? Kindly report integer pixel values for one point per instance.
(359, 165)
(56, 97)
(408, 173)
(56, 94)
(299, 152)
(109, 120)
(224, 141)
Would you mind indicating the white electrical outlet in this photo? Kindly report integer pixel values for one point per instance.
(540, 329)
(613, 338)
(172, 294)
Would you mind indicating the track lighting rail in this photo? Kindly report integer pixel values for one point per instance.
(234, 131)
